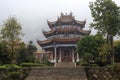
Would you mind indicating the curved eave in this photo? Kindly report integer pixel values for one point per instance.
(80, 23)
(48, 32)
(84, 31)
(51, 24)
(44, 42)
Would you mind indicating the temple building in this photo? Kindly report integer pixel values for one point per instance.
(62, 37)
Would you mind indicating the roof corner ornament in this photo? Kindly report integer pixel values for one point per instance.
(85, 20)
(47, 21)
(58, 18)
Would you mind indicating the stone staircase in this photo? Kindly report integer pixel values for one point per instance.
(57, 73)
(65, 64)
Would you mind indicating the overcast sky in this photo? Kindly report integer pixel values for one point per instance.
(33, 14)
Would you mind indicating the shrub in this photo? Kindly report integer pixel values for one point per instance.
(13, 76)
(82, 63)
(10, 66)
(116, 66)
(94, 65)
(48, 63)
(31, 65)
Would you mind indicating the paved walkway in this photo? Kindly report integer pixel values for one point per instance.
(57, 73)
(65, 64)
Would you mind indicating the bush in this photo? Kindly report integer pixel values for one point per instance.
(116, 66)
(82, 63)
(13, 76)
(31, 65)
(10, 66)
(48, 63)
(94, 65)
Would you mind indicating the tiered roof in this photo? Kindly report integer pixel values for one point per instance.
(73, 26)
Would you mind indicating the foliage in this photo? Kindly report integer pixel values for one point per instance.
(88, 47)
(13, 76)
(30, 52)
(10, 71)
(32, 64)
(88, 57)
(11, 32)
(82, 63)
(106, 19)
(106, 16)
(22, 54)
(10, 66)
(26, 54)
(4, 56)
(117, 51)
(102, 73)
(45, 60)
(31, 48)
(104, 51)
(117, 66)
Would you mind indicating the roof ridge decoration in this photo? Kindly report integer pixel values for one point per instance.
(66, 19)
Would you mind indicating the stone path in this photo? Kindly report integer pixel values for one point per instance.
(57, 73)
(65, 64)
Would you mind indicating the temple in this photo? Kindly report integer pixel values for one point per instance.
(61, 39)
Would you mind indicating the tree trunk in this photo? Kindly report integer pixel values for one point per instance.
(13, 53)
(112, 49)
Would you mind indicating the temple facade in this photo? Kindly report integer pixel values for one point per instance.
(62, 37)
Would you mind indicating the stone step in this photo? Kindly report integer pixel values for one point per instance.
(65, 64)
(57, 73)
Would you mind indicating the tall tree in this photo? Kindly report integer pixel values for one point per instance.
(11, 32)
(106, 19)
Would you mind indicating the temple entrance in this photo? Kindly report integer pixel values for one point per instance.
(66, 57)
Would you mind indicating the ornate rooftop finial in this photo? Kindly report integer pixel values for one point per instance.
(66, 14)
(62, 14)
(71, 13)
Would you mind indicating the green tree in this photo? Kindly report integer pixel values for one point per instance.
(22, 54)
(11, 32)
(4, 56)
(106, 19)
(26, 53)
(31, 48)
(88, 47)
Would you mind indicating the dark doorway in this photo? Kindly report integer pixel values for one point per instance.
(66, 56)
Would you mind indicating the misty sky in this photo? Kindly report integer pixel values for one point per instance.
(33, 14)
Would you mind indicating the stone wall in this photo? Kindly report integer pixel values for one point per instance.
(102, 74)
